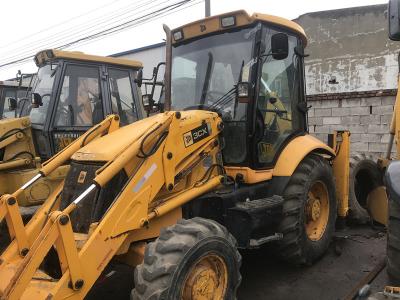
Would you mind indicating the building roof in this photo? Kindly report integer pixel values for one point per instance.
(51, 54)
(133, 51)
(11, 83)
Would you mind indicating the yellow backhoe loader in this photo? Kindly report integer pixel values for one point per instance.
(72, 92)
(229, 164)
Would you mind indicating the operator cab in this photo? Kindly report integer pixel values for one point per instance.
(11, 92)
(249, 69)
(74, 91)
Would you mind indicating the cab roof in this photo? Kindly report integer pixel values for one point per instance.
(52, 54)
(12, 83)
(242, 18)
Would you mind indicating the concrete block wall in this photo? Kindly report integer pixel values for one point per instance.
(366, 114)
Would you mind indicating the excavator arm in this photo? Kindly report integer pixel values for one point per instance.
(164, 170)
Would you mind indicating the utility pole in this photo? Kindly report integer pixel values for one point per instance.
(207, 7)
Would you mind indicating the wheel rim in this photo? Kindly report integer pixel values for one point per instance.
(206, 280)
(317, 211)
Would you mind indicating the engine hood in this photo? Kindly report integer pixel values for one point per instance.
(105, 148)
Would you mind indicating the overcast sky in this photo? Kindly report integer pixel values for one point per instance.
(28, 26)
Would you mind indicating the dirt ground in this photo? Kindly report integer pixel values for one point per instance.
(354, 253)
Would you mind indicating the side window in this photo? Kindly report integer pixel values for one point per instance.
(7, 113)
(277, 101)
(80, 102)
(122, 100)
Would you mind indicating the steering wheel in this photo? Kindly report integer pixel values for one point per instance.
(46, 95)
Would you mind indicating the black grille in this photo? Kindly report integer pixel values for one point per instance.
(93, 207)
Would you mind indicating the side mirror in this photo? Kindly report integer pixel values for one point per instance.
(243, 89)
(279, 46)
(394, 20)
(146, 100)
(139, 78)
(36, 100)
(12, 104)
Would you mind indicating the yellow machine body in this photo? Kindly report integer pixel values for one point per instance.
(168, 160)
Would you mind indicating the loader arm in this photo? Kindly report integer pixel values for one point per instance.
(157, 151)
(16, 145)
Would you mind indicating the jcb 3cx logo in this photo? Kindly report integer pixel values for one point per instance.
(195, 135)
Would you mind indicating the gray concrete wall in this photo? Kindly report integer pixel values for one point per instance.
(352, 45)
(366, 114)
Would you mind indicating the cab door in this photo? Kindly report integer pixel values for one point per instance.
(79, 104)
(124, 95)
(279, 115)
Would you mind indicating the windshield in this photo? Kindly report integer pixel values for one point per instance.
(43, 86)
(205, 72)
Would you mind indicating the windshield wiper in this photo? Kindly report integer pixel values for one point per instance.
(207, 78)
(227, 97)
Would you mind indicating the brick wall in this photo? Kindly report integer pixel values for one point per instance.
(366, 114)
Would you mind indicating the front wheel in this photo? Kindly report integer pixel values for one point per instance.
(309, 212)
(194, 259)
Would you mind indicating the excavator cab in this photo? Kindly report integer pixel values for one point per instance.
(74, 91)
(253, 77)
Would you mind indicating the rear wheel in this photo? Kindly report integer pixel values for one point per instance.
(365, 176)
(309, 212)
(194, 259)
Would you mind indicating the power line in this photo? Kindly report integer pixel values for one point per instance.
(146, 21)
(58, 24)
(78, 31)
(127, 24)
(111, 30)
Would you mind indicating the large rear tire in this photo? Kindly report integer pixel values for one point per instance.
(365, 176)
(393, 242)
(194, 259)
(309, 212)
